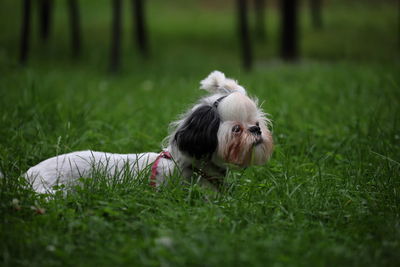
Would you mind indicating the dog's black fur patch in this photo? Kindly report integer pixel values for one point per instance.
(198, 134)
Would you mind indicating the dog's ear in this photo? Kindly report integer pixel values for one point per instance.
(197, 136)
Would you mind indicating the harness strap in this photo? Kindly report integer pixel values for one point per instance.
(214, 180)
(153, 177)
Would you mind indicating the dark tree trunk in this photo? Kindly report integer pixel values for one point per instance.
(25, 31)
(244, 35)
(45, 17)
(289, 30)
(140, 26)
(316, 13)
(116, 36)
(259, 8)
(74, 20)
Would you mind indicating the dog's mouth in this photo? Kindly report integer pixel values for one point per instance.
(258, 141)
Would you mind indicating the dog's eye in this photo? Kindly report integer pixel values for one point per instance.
(236, 129)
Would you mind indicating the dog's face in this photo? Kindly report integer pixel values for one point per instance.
(243, 136)
(232, 129)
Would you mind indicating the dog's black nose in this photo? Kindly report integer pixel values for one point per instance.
(255, 130)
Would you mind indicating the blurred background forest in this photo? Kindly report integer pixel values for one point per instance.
(116, 34)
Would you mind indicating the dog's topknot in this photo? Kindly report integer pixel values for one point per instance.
(216, 82)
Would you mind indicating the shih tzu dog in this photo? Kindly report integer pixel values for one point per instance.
(224, 128)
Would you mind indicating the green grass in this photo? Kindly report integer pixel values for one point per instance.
(329, 196)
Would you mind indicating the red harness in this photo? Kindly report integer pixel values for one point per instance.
(164, 155)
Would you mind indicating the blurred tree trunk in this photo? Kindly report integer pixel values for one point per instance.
(259, 8)
(140, 26)
(116, 36)
(74, 20)
(25, 30)
(244, 35)
(45, 18)
(289, 30)
(316, 13)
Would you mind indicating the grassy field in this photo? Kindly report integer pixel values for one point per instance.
(330, 196)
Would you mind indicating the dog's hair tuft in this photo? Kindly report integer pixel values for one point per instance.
(216, 82)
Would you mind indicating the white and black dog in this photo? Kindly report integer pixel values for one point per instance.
(223, 128)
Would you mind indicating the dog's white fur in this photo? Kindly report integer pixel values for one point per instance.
(239, 142)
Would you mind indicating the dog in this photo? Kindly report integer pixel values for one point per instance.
(223, 128)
